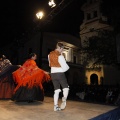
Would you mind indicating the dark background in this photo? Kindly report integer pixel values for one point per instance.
(19, 17)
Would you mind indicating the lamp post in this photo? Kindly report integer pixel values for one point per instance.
(40, 15)
(51, 3)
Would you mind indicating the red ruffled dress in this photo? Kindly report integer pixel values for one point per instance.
(29, 79)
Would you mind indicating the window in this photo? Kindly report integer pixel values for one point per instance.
(88, 16)
(95, 14)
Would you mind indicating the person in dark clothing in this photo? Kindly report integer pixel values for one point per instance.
(7, 84)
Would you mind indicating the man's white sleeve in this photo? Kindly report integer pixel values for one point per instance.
(48, 60)
(63, 63)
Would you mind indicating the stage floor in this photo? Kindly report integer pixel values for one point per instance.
(75, 110)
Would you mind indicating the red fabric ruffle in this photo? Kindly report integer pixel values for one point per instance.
(30, 75)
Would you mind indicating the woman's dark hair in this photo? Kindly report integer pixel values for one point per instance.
(31, 55)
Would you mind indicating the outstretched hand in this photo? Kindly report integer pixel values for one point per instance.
(48, 74)
(19, 65)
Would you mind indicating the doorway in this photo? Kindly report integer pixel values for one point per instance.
(94, 79)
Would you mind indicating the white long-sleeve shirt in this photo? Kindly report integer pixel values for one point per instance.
(64, 66)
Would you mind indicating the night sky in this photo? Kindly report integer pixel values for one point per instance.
(19, 17)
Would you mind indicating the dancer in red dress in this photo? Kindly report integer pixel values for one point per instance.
(29, 79)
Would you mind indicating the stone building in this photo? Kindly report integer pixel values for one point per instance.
(93, 22)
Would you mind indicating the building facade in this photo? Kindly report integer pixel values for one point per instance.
(93, 22)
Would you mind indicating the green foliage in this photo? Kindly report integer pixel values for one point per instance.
(102, 48)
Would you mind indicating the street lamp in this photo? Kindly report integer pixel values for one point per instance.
(40, 16)
(51, 3)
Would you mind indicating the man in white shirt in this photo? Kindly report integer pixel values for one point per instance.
(58, 66)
